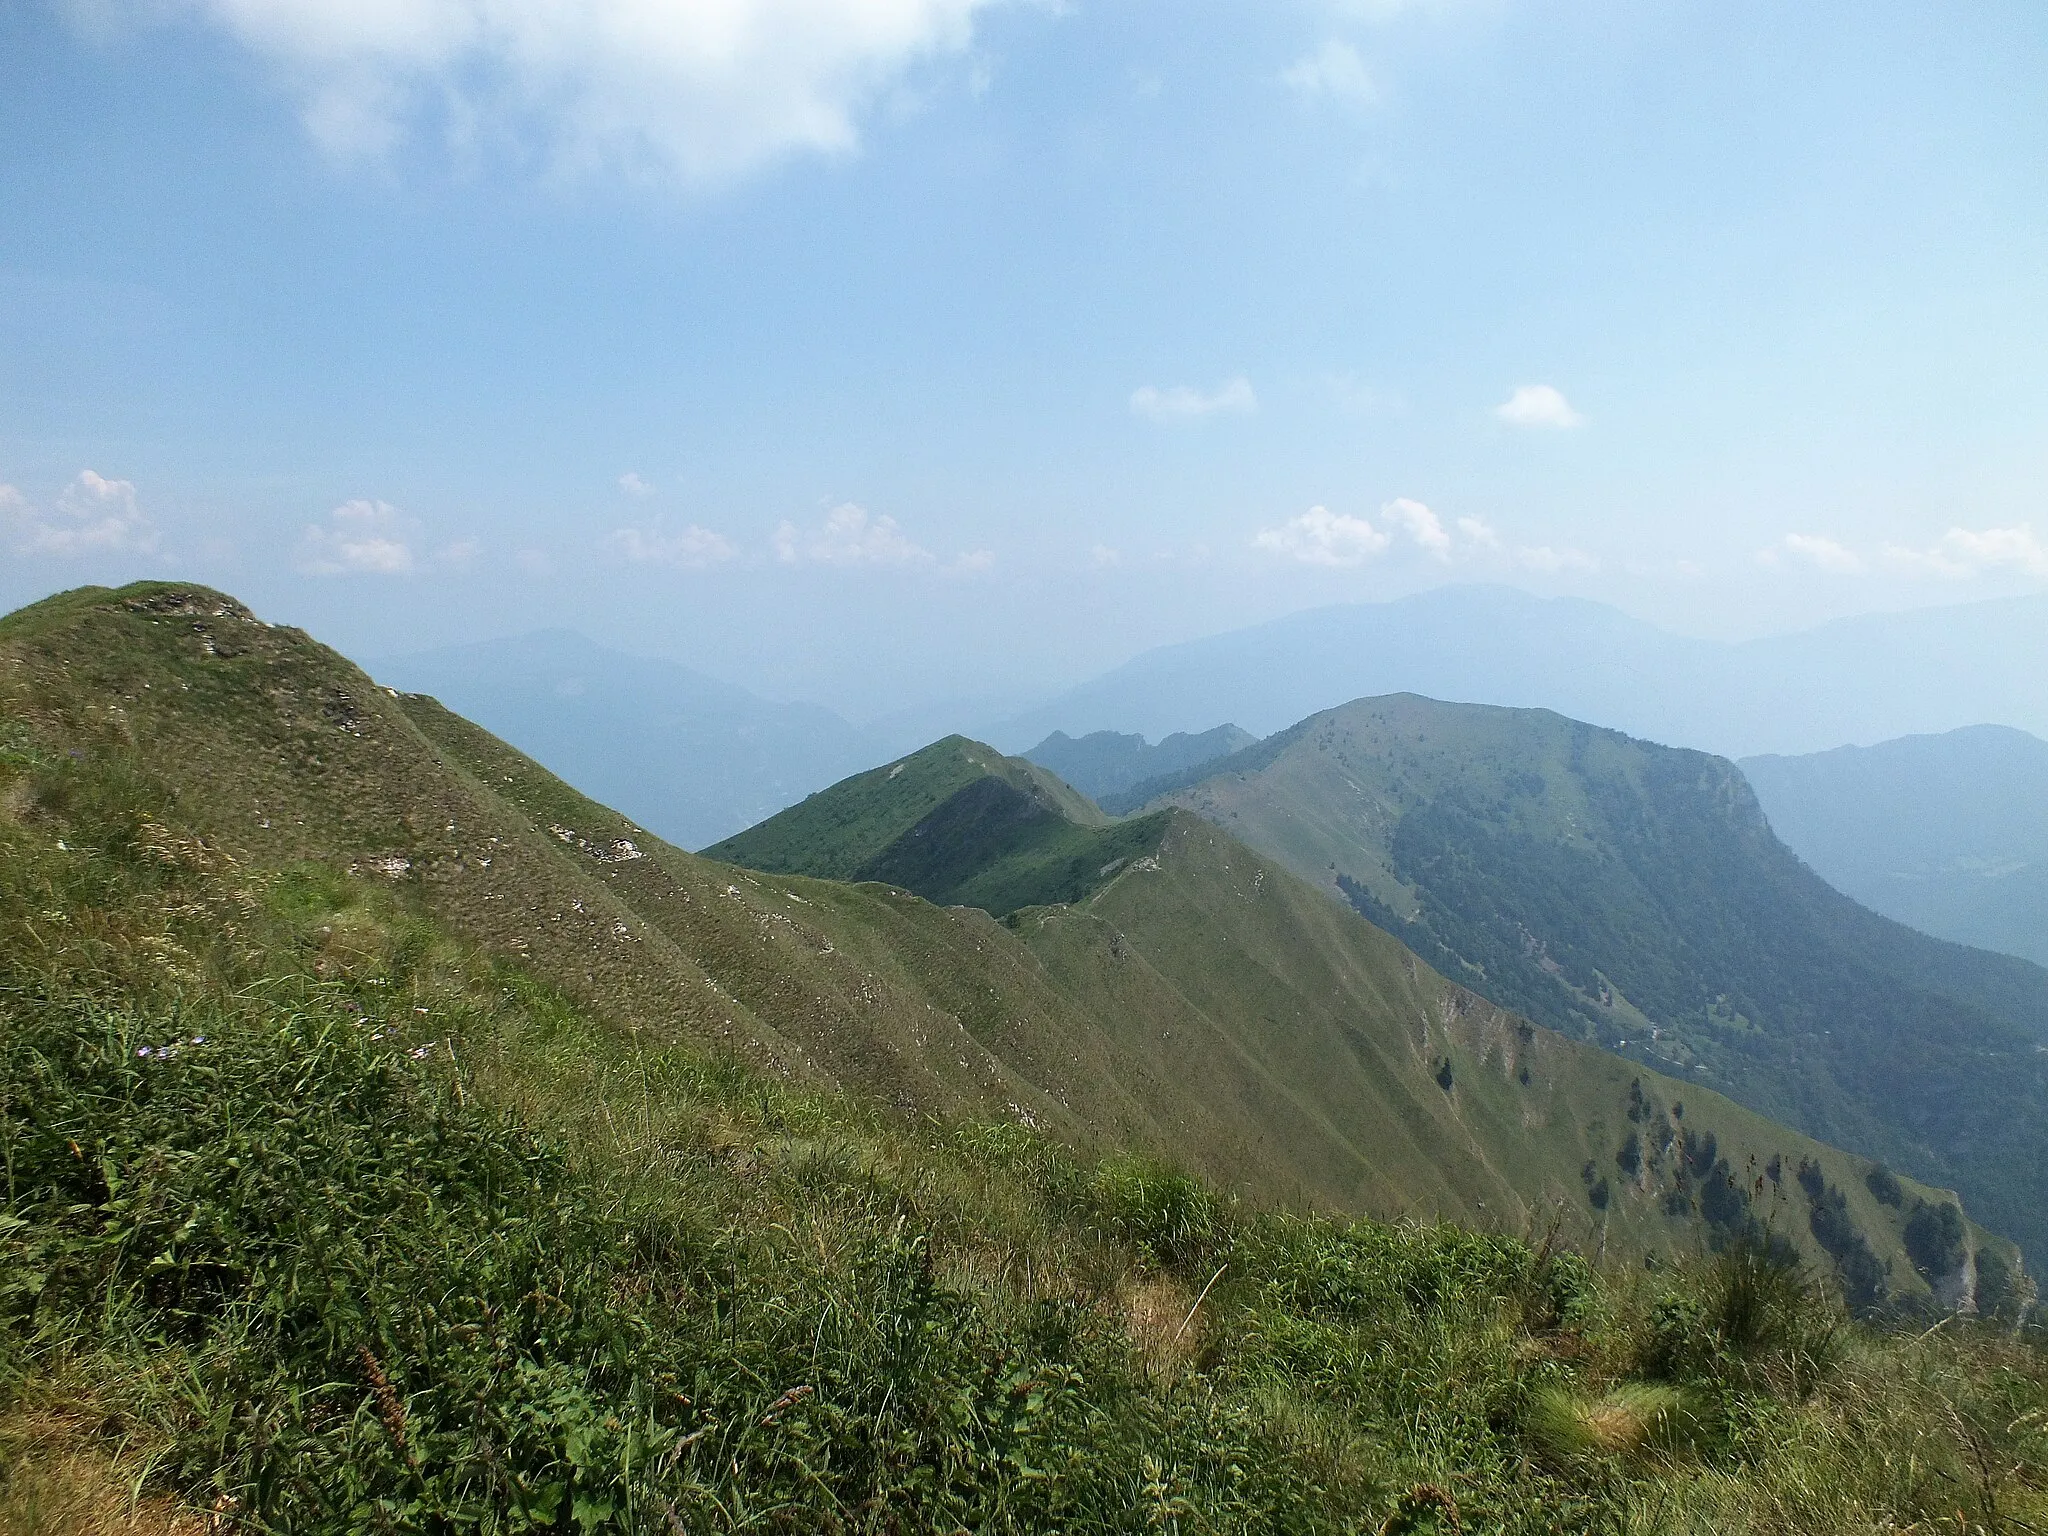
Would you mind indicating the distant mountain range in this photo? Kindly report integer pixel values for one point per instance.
(688, 756)
(1105, 763)
(1947, 833)
(698, 759)
(1634, 894)
(1863, 679)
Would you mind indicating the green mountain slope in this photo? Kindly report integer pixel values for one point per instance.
(1277, 1032)
(1031, 838)
(1946, 833)
(1634, 894)
(1198, 1001)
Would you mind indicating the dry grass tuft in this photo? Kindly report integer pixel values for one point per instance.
(1621, 1420)
(56, 1479)
(1158, 1315)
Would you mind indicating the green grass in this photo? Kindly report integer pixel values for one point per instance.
(1196, 1002)
(319, 1219)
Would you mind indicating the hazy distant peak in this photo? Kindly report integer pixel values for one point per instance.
(1106, 763)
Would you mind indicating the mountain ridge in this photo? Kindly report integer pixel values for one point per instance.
(1634, 894)
(1199, 1003)
(1863, 678)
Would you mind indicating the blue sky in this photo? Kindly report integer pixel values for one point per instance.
(876, 351)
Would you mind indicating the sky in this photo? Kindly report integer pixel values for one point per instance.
(885, 352)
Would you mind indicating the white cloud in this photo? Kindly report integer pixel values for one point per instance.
(1334, 72)
(1538, 405)
(1815, 550)
(1420, 524)
(1962, 553)
(973, 563)
(93, 515)
(850, 535)
(702, 90)
(1478, 533)
(1322, 537)
(360, 538)
(1103, 556)
(690, 549)
(1183, 402)
(633, 485)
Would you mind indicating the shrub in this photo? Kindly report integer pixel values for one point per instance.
(1934, 1239)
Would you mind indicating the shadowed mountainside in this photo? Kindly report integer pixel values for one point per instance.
(1245, 965)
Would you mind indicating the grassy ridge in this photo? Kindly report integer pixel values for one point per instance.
(956, 822)
(1286, 1046)
(318, 1218)
(1201, 1004)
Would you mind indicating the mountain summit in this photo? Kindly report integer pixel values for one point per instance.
(1633, 894)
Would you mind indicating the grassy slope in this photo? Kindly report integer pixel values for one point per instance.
(1632, 893)
(1037, 840)
(1295, 1047)
(317, 1218)
(1282, 1048)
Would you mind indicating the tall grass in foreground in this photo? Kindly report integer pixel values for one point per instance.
(315, 1221)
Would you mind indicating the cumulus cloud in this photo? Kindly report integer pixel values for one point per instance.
(1538, 405)
(1421, 525)
(633, 485)
(1183, 402)
(1334, 72)
(972, 563)
(1960, 554)
(688, 549)
(1322, 537)
(92, 516)
(373, 538)
(702, 90)
(359, 538)
(1963, 552)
